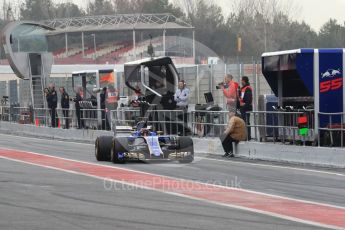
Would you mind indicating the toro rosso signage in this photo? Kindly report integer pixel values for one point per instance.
(331, 80)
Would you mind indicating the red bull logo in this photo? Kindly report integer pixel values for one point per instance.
(335, 82)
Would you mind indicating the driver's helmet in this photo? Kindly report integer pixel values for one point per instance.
(141, 125)
(144, 132)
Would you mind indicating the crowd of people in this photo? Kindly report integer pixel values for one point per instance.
(108, 98)
(239, 101)
(52, 103)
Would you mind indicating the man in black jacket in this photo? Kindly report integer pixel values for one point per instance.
(78, 98)
(246, 102)
(103, 96)
(52, 104)
(65, 105)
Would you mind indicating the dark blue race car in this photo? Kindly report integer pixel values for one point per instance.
(144, 144)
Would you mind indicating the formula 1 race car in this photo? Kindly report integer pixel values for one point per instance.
(144, 144)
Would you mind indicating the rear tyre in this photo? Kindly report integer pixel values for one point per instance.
(103, 147)
(186, 145)
(118, 150)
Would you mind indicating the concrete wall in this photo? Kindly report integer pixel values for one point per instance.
(79, 135)
(333, 157)
(322, 156)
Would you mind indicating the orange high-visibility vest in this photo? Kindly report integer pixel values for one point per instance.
(243, 90)
(230, 93)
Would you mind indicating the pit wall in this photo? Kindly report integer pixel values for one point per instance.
(321, 156)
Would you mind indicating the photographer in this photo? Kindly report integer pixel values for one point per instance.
(229, 88)
(52, 103)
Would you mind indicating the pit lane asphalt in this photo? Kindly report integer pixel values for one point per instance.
(32, 197)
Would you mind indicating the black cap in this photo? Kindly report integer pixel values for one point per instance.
(245, 79)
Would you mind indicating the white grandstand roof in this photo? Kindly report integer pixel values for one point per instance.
(137, 62)
(6, 73)
(120, 22)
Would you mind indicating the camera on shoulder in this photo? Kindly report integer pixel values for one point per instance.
(219, 85)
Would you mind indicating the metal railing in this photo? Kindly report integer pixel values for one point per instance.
(167, 121)
(21, 115)
(281, 126)
(208, 123)
(90, 118)
(94, 118)
(125, 117)
(266, 126)
(331, 129)
(5, 113)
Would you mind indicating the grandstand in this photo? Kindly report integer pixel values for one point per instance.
(116, 38)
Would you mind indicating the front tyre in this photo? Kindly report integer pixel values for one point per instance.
(186, 145)
(118, 150)
(103, 147)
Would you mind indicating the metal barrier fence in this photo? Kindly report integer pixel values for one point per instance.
(4, 113)
(208, 123)
(167, 121)
(125, 117)
(281, 126)
(90, 118)
(266, 126)
(331, 134)
(278, 126)
(170, 122)
(20, 115)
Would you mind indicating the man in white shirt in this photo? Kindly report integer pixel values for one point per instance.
(181, 97)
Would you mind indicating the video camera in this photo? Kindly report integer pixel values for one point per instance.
(225, 85)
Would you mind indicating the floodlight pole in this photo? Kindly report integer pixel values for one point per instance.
(134, 46)
(193, 46)
(265, 36)
(94, 44)
(164, 44)
(82, 44)
(66, 44)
